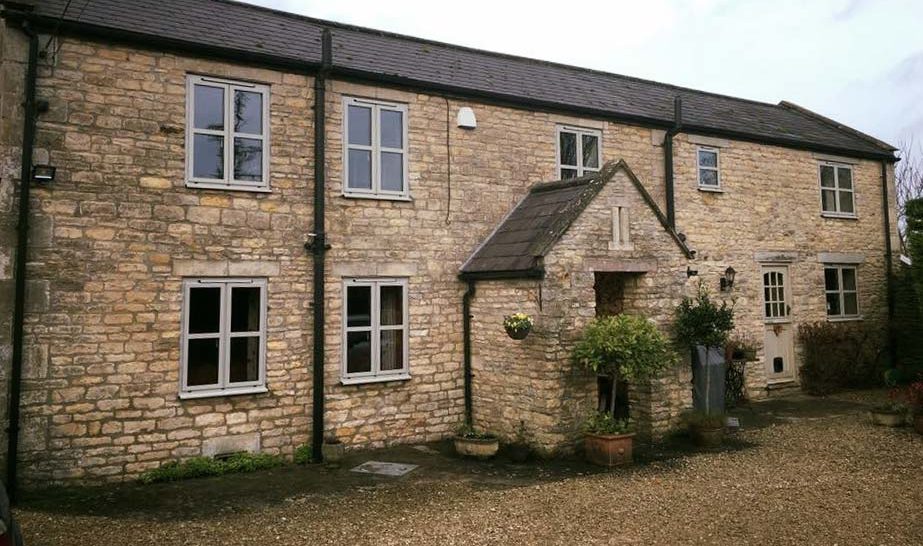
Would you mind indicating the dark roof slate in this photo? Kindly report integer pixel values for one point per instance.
(235, 27)
(531, 229)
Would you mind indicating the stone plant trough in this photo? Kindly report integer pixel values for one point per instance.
(706, 436)
(888, 418)
(609, 449)
(478, 448)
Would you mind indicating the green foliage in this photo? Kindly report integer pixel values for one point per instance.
(200, 467)
(624, 346)
(840, 355)
(701, 419)
(517, 321)
(906, 328)
(603, 422)
(701, 321)
(470, 433)
(304, 454)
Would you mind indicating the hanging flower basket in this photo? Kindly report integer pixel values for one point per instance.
(517, 325)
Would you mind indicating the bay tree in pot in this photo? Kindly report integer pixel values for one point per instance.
(703, 326)
(622, 348)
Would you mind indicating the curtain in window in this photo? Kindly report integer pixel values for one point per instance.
(392, 339)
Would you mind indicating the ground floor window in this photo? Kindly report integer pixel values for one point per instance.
(841, 290)
(223, 336)
(375, 332)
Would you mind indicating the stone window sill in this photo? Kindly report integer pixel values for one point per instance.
(227, 187)
(378, 197)
(856, 318)
(838, 216)
(192, 395)
(374, 379)
(709, 189)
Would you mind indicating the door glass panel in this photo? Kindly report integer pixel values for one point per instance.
(358, 306)
(778, 365)
(245, 359)
(202, 362)
(358, 352)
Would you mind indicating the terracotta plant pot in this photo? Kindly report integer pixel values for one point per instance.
(706, 436)
(518, 333)
(888, 418)
(333, 452)
(918, 423)
(608, 449)
(479, 448)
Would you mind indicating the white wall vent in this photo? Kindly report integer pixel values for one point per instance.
(466, 119)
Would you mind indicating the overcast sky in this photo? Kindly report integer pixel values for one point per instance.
(857, 61)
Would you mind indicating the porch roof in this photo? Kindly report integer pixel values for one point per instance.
(516, 247)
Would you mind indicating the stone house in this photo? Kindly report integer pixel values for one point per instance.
(213, 159)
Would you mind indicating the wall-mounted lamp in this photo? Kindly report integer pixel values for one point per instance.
(43, 173)
(727, 280)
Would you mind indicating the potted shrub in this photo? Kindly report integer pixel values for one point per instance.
(607, 441)
(742, 347)
(623, 347)
(517, 325)
(519, 450)
(706, 429)
(471, 443)
(890, 414)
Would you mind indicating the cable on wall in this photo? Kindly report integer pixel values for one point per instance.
(448, 155)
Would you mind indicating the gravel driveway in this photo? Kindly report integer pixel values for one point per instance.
(804, 471)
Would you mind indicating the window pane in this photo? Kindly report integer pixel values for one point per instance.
(358, 352)
(204, 310)
(208, 156)
(245, 359)
(358, 306)
(849, 278)
(392, 350)
(392, 305)
(844, 177)
(202, 362)
(248, 159)
(392, 129)
(360, 169)
(248, 112)
(831, 281)
(392, 171)
(850, 304)
(708, 159)
(360, 125)
(833, 304)
(568, 148)
(590, 151)
(568, 173)
(826, 177)
(209, 107)
(846, 204)
(828, 200)
(708, 178)
(245, 309)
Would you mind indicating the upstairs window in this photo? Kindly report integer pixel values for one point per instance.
(224, 337)
(836, 190)
(578, 151)
(375, 149)
(708, 167)
(375, 330)
(227, 134)
(841, 291)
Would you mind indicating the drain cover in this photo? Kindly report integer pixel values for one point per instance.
(385, 469)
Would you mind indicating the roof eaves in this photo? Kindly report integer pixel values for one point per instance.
(837, 125)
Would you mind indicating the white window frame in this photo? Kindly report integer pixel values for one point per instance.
(700, 168)
(578, 132)
(375, 374)
(376, 150)
(841, 292)
(224, 335)
(228, 133)
(836, 189)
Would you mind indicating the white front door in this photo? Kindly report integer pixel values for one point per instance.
(779, 344)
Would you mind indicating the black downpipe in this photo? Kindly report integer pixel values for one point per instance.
(22, 244)
(319, 246)
(668, 160)
(466, 334)
(889, 266)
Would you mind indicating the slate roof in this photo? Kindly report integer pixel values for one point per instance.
(517, 246)
(252, 33)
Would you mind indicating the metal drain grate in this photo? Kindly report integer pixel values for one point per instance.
(385, 469)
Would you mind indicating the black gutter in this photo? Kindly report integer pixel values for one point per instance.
(534, 273)
(466, 341)
(318, 247)
(453, 92)
(889, 265)
(22, 249)
(668, 160)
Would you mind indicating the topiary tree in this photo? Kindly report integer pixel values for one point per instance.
(701, 321)
(623, 347)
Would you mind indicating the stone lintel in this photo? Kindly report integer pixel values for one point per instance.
(840, 258)
(623, 265)
(781, 256)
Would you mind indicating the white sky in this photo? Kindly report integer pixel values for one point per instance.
(857, 61)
